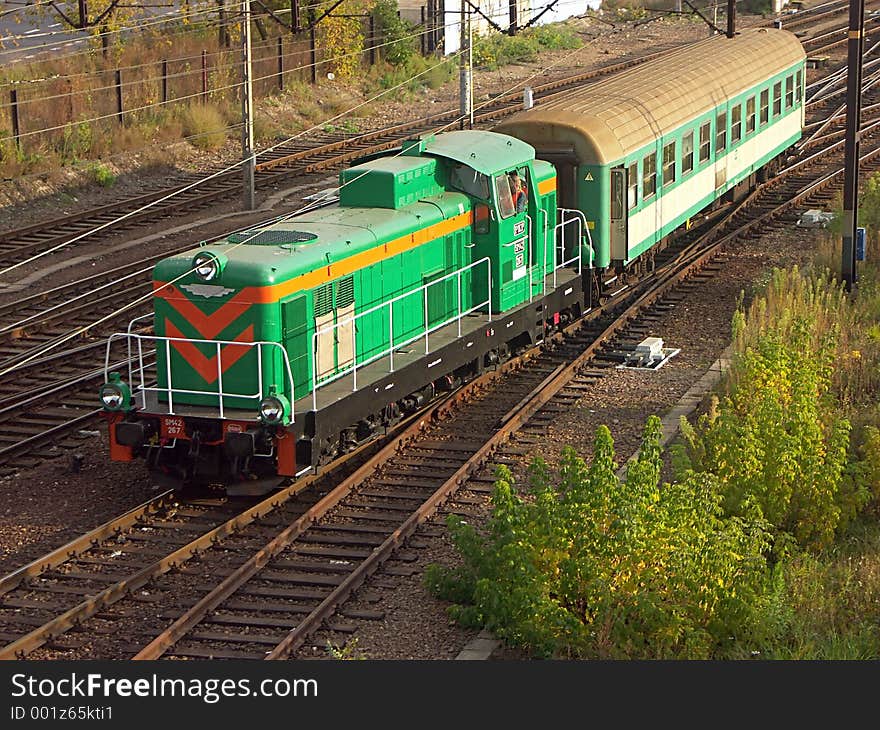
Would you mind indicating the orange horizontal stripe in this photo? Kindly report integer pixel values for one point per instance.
(547, 186)
(311, 279)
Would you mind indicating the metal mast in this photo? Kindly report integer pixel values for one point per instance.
(855, 48)
(247, 110)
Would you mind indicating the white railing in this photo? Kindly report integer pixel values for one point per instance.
(137, 380)
(392, 345)
(568, 218)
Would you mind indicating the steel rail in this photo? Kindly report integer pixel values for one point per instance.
(669, 276)
(224, 185)
(88, 541)
(88, 607)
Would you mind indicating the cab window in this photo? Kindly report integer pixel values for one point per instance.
(469, 181)
(505, 199)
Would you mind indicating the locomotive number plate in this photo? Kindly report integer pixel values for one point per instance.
(173, 427)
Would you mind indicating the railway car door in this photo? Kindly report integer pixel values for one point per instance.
(566, 165)
(619, 249)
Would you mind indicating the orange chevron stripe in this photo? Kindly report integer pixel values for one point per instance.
(206, 367)
(207, 325)
(275, 292)
(547, 186)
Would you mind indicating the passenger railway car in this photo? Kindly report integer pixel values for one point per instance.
(645, 150)
(289, 344)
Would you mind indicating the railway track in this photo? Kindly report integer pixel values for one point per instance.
(36, 427)
(287, 567)
(301, 157)
(283, 577)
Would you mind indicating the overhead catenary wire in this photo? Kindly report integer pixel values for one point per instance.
(170, 18)
(183, 74)
(213, 175)
(77, 32)
(194, 95)
(81, 330)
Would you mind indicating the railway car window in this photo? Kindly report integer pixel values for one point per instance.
(617, 184)
(721, 132)
(789, 92)
(765, 106)
(469, 181)
(798, 86)
(505, 199)
(632, 177)
(777, 98)
(649, 176)
(687, 153)
(669, 163)
(750, 115)
(705, 141)
(736, 124)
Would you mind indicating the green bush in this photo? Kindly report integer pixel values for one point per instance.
(75, 142)
(395, 32)
(496, 49)
(594, 567)
(102, 175)
(417, 73)
(776, 441)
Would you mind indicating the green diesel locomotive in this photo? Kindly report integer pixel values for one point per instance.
(292, 343)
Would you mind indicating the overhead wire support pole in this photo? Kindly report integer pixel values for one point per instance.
(247, 110)
(855, 48)
(465, 70)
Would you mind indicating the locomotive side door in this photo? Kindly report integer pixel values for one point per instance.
(295, 338)
(335, 327)
(516, 244)
(618, 232)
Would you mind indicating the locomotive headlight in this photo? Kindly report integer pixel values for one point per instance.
(208, 265)
(273, 408)
(115, 395)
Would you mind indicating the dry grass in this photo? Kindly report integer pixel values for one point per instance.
(204, 125)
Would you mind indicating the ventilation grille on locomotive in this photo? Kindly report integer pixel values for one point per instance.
(271, 237)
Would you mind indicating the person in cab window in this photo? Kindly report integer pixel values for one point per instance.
(518, 191)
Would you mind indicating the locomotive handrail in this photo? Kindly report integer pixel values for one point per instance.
(142, 388)
(392, 345)
(581, 224)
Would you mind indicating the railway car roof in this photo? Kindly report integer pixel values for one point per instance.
(605, 121)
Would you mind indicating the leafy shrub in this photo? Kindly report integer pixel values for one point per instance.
(497, 49)
(342, 40)
(394, 31)
(102, 175)
(776, 441)
(592, 566)
(418, 73)
(75, 142)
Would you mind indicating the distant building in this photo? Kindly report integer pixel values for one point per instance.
(500, 10)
